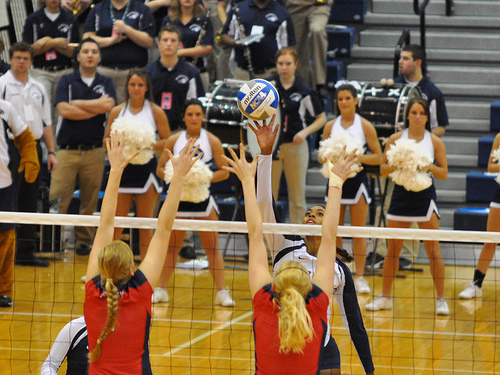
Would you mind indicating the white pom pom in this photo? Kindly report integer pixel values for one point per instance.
(138, 137)
(196, 186)
(408, 157)
(332, 147)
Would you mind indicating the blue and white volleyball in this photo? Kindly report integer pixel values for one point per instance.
(258, 99)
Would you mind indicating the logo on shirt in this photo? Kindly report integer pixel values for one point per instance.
(36, 95)
(296, 97)
(195, 28)
(63, 27)
(99, 89)
(182, 79)
(271, 17)
(133, 15)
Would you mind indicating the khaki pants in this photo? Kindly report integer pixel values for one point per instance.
(87, 167)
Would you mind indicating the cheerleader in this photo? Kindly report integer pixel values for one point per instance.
(355, 193)
(474, 288)
(212, 150)
(410, 206)
(139, 182)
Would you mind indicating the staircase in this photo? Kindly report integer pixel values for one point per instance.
(462, 57)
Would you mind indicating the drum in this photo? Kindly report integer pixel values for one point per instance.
(385, 106)
(223, 117)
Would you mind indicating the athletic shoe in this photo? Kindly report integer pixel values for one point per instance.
(442, 307)
(379, 261)
(187, 252)
(223, 298)
(5, 301)
(379, 303)
(159, 295)
(362, 286)
(404, 263)
(82, 249)
(471, 291)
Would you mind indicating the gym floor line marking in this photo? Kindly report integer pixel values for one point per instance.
(207, 334)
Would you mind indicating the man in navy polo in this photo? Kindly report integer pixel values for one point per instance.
(266, 17)
(174, 80)
(83, 99)
(50, 31)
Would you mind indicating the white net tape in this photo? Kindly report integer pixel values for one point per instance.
(241, 227)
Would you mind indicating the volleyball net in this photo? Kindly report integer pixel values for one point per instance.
(192, 335)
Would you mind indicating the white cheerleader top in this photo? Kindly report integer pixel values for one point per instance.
(145, 115)
(426, 142)
(202, 141)
(356, 128)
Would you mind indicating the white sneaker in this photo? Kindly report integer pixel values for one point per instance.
(442, 307)
(379, 303)
(83, 279)
(471, 291)
(362, 286)
(159, 295)
(223, 298)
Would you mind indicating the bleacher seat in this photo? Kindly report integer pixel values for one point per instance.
(334, 73)
(495, 116)
(484, 150)
(470, 218)
(348, 11)
(480, 186)
(340, 40)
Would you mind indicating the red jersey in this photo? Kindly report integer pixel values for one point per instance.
(268, 359)
(125, 350)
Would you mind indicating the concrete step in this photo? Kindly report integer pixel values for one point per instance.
(434, 39)
(386, 53)
(432, 21)
(450, 196)
(461, 145)
(455, 181)
(464, 125)
(438, 74)
(461, 161)
(460, 8)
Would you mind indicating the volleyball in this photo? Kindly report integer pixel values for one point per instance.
(258, 99)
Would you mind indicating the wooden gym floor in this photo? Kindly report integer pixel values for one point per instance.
(191, 336)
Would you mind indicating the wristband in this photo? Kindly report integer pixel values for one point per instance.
(52, 153)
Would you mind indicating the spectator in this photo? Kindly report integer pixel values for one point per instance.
(83, 99)
(257, 17)
(174, 80)
(190, 18)
(50, 31)
(31, 102)
(29, 163)
(71, 343)
(124, 29)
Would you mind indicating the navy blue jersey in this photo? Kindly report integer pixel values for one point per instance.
(39, 26)
(299, 105)
(191, 32)
(439, 115)
(273, 21)
(126, 54)
(172, 87)
(90, 131)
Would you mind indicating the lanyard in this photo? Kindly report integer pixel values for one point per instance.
(124, 13)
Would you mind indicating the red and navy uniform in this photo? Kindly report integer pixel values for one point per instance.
(171, 88)
(268, 359)
(125, 350)
(126, 54)
(39, 26)
(90, 131)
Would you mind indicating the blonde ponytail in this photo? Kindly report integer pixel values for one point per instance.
(292, 283)
(115, 262)
(112, 295)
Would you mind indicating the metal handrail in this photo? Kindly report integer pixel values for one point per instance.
(403, 40)
(420, 11)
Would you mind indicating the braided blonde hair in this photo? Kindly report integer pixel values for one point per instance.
(115, 262)
(292, 284)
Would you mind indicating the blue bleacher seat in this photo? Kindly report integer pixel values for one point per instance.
(340, 40)
(348, 11)
(480, 186)
(495, 116)
(470, 218)
(484, 150)
(334, 73)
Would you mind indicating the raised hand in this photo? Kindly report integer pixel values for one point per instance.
(185, 160)
(265, 134)
(117, 156)
(240, 166)
(345, 165)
